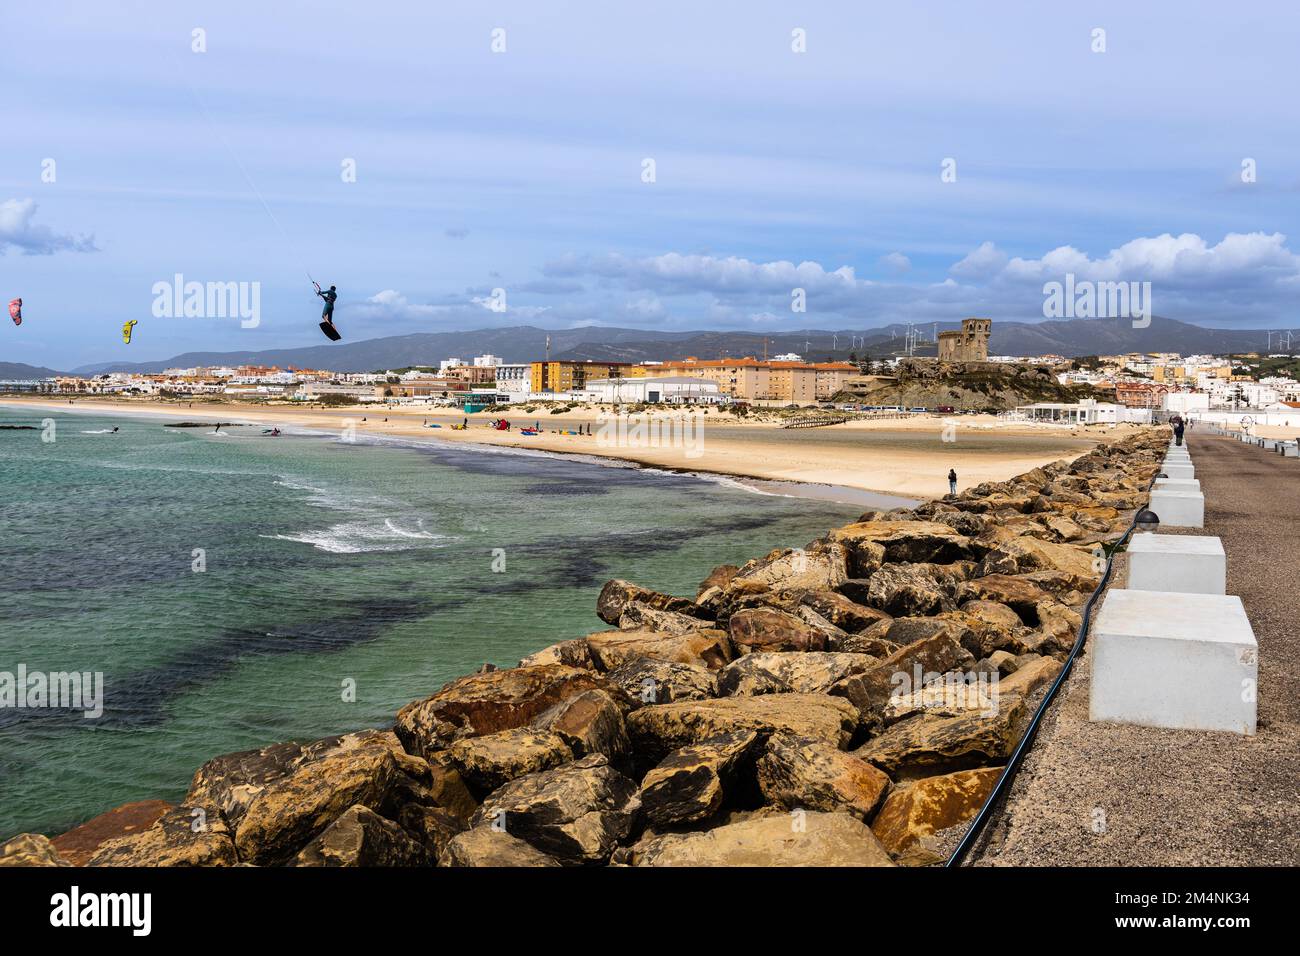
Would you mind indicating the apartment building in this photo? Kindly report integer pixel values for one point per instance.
(749, 379)
(566, 376)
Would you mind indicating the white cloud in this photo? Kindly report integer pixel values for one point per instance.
(986, 260)
(895, 263)
(18, 230)
(1255, 258)
(673, 272)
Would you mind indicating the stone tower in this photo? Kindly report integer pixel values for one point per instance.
(971, 344)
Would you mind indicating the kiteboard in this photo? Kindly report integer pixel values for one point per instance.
(331, 333)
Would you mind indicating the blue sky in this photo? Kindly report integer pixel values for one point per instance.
(522, 170)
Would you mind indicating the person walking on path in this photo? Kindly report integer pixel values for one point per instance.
(1178, 432)
(952, 481)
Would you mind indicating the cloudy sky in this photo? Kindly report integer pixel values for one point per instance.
(525, 170)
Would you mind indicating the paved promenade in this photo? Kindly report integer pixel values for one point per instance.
(1100, 794)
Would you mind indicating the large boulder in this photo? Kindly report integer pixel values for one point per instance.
(433, 828)
(1020, 595)
(907, 589)
(650, 681)
(183, 836)
(902, 541)
(487, 703)
(845, 614)
(707, 647)
(1058, 628)
(232, 781)
(805, 672)
(926, 745)
(79, 844)
(590, 723)
(617, 594)
(1030, 675)
(30, 849)
(640, 616)
(900, 673)
(492, 760)
(691, 783)
(982, 637)
(326, 779)
(798, 773)
(488, 846)
(574, 653)
(1026, 554)
(800, 838)
(767, 629)
(926, 806)
(576, 814)
(660, 729)
(991, 612)
(717, 581)
(361, 837)
(814, 569)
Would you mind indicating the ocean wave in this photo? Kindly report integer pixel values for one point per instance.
(360, 537)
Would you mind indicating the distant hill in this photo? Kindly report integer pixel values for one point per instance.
(17, 371)
(525, 343)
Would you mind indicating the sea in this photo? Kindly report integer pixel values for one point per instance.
(234, 589)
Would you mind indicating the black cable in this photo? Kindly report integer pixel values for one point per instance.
(1013, 764)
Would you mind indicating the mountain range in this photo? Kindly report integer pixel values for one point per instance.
(1071, 338)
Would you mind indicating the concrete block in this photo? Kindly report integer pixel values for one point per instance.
(1178, 471)
(1178, 508)
(1177, 660)
(1186, 484)
(1267, 443)
(1290, 451)
(1177, 562)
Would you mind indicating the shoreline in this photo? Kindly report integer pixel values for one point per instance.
(903, 460)
(775, 682)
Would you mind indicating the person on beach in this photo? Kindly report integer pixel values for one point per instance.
(952, 481)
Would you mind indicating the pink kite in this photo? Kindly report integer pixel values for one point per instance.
(16, 311)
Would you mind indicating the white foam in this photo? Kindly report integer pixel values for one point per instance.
(360, 537)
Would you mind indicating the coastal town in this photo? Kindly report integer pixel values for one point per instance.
(1133, 387)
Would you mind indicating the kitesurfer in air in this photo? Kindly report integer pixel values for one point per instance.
(327, 315)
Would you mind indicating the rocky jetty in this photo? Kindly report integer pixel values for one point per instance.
(835, 705)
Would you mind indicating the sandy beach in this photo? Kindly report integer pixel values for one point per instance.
(905, 457)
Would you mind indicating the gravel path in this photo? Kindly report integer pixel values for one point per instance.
(1104, 794)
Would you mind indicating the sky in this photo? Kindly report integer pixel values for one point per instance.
(513, 186)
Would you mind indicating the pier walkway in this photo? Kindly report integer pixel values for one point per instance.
(1096, 794)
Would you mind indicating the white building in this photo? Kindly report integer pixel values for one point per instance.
(488, 361)
(449, 363)
(1185, 401)
(672, 390)
(314, 391)
(1087, 412)
(515, 381)
(788, 357)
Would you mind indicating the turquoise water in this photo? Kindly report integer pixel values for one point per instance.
(326, 563)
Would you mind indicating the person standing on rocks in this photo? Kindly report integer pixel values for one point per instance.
(952, 481)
